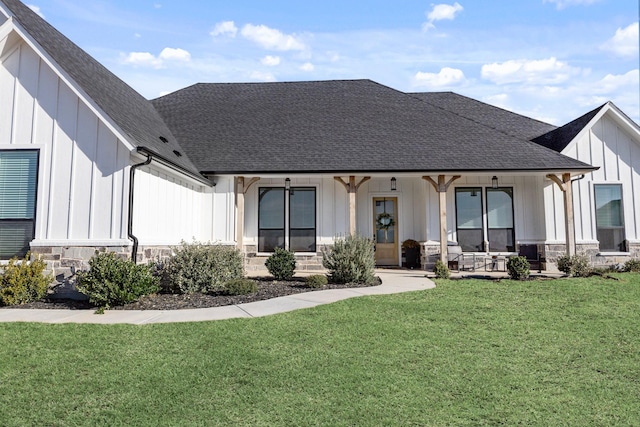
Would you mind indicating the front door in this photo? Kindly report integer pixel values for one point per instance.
(385, 229)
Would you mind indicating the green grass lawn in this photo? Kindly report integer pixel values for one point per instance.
(557, 352)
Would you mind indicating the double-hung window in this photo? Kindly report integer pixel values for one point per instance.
(287, 219)
(18, 184)
(487, 213)
(609, 217)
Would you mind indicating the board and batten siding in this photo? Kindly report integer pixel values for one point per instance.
(168, 209)
(609, 146)
(82, 179)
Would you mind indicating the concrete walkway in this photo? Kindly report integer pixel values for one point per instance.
(393, 282)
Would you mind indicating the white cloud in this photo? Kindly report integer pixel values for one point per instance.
(544, 71)
(612, 83)
(146, 59)
(624, 42)
(442, 12)
(174, 54)
(262, 76)
(307, 66)
(227, 28)
(36, 9)
(562, 4)
(447, 77)
(157, 5)
(270, 38)
(270, 60)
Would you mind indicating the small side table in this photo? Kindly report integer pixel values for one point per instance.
(493, 263)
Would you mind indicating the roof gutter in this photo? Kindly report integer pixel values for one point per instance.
(132, 174)
(160, 159)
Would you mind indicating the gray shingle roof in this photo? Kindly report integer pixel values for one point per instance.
(494, 117)
(339, 126)
(129, 110)
(559, 138)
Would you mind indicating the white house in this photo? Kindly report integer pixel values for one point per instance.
(87, 163)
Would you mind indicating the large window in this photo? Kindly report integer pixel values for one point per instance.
(287, 219)
(473, 222)
(500, 229)
(18, 183)
(469, 219)
(609, 217)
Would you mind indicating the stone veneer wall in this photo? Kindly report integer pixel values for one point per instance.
(592, 250)
(310, 262)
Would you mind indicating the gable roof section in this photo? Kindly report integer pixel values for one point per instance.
(127, 109)
(496, 118)
(559, 138)
(338, 126)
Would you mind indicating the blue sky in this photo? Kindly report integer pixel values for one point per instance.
(553, 60)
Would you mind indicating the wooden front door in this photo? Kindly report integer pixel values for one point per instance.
(385, 230)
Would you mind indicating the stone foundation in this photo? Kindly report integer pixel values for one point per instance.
(64, 261)
(429, 254)
(592, 251)
(256, 263)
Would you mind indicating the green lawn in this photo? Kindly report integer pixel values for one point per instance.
(557, 352)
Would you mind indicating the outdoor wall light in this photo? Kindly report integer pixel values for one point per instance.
(393, 184)
(494, 182)
(287, 184)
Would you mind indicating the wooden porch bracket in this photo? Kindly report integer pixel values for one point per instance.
(250, 183)
(441, 188)
(352, 190)
(564, 184)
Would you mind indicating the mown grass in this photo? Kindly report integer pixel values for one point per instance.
(557, 352)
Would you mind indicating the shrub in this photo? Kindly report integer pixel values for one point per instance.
(115, 281)
(441, 270)
(317, 281)
(240, 287)
(23, 281)
(281, 264)
(198, 267)
(576, 265)
(632, 265)
(518, 267)
(350, 260)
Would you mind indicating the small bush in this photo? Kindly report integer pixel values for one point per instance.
(23, 281)
(115, 281)
(632, 265)
(281, 264)
(441, 270)
(199, 267)
(240, 287)
(351, 260)
(317, 281)
(576, 265)
(518, 268)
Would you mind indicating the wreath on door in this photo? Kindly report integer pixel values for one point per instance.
(384, 221)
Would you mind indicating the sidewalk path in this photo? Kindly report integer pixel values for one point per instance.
(393, 282)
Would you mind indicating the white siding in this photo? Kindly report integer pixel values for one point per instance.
(609, 145)
(82, 178)
(169, 209)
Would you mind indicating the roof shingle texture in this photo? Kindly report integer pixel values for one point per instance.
(339, 126)
(494, 117)
(129, 110)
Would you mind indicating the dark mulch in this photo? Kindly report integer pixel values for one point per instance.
(267, 289)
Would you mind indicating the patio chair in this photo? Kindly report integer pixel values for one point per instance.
(530, 252)
(458, 260)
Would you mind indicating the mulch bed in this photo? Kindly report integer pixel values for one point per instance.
(267, 289)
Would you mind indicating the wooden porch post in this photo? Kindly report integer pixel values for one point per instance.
(241, 190)
(240, 213)
(569, 222)
(441, 188)
(352, 190)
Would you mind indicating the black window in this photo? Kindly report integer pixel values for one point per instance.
(18, 184)
(609, 217)
(287, 219)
